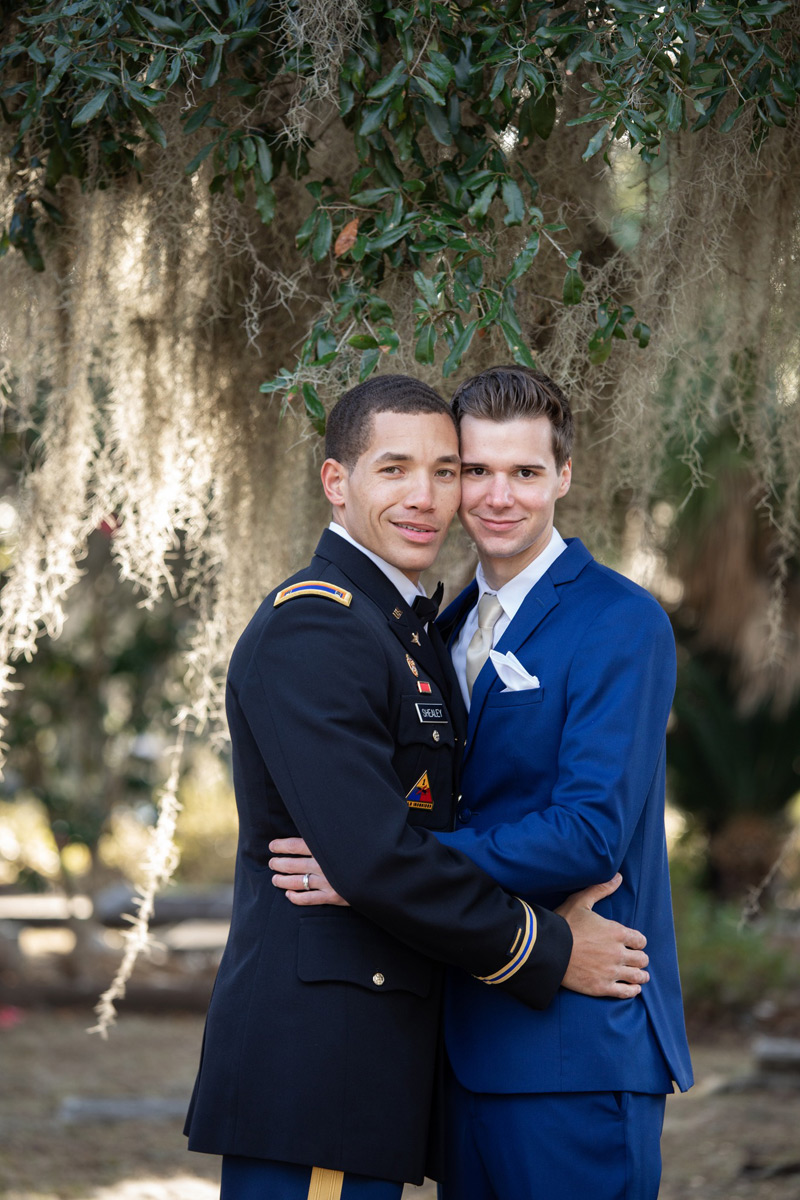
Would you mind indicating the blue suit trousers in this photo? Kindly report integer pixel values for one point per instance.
(552, 1146)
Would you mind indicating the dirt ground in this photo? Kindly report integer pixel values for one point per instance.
(720, 1140)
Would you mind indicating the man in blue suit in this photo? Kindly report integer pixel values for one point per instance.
(562, 784)
(568, 671)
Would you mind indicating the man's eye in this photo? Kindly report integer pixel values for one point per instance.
(446, 473)
(476, 472)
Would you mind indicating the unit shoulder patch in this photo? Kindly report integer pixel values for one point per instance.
(313, 587)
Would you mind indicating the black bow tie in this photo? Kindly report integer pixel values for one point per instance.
(426, 607)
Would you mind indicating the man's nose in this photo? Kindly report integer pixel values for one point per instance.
(499, 493)
(421, 492)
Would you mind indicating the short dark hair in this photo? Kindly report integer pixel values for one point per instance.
(505, 393)
(349, 426)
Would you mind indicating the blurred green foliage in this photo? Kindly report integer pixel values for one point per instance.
(728, 969)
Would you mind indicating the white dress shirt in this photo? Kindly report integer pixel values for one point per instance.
(511, 596)
(408, 590)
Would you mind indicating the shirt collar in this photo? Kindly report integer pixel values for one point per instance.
(512, 594)
(408, 590)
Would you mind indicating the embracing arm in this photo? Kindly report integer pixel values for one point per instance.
(316, 705)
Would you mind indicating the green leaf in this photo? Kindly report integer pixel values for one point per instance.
(321, 243)
(573, 287)
(642, 333)
(363, 341)
(498, 83)
(265, 198)
(437, 123)
(596, 142)
(674, 112)
(91, 108)
(524, 260)
(151, 127)
(371, 195)
(480, 207)
(369, 361)
(460, 347)
(426, 345)
(427, 288)
(543, 115)
(599, 349)
(199, 158)
(731, 119)
(198, 117)
(264, 156)
(516, 344)
(514, 202)
(165, 24)
(315, 409)
(373, 118)
(212, 72)
(156, 66)
(394, 79)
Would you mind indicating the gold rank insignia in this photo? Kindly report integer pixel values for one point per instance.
(415, 639)
(313, 587)
(419, 796)
(397, 613)
(412, 665)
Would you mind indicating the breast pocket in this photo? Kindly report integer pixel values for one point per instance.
(515, 699)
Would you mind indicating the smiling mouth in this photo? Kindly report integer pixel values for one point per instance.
(417, 533)
(497, 524)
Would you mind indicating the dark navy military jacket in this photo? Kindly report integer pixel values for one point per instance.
(321, 1043)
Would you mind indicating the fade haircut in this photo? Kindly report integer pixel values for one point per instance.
(349, 426)
(505, 393)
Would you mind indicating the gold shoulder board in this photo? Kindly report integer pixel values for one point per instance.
(313, 587)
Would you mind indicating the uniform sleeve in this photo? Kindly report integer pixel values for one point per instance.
(619, 692)
(314, 695)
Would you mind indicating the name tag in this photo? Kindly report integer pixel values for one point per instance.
(432, 714)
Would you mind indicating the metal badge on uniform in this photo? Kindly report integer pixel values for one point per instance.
(397, 614)
(420, 794)
(431, 713)
(415, 639)
(423, 685)
(412, 665)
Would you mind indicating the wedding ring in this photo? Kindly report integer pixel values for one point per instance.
(306, 886)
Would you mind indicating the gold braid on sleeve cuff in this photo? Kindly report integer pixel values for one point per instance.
(521, 955)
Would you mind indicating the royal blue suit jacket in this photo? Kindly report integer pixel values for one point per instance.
(562, 786)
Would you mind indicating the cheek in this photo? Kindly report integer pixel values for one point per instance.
(471, 497)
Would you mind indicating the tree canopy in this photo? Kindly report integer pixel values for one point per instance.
(440, 101)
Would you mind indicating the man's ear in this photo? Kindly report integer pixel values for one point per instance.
(566, 479)
(334, 477)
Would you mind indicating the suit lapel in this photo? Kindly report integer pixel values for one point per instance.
(542, 598)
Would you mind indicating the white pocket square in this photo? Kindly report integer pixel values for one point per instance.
(512, 673)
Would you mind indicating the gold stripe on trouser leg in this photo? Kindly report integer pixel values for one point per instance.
(325, 1185)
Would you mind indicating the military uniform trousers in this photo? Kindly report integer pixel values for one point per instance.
(262, 1179)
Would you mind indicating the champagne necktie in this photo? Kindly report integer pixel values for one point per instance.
(489, 611)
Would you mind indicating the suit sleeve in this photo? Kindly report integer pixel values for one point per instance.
(619, 691)
(315, 698)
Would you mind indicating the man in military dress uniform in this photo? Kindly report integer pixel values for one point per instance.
(321, 1046)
